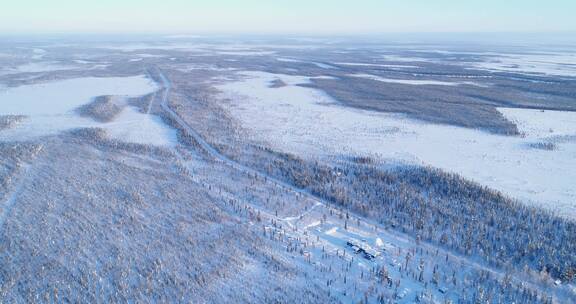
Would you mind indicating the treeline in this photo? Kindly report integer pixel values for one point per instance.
(442, 208)
(98, 138)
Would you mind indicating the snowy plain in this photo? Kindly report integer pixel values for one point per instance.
(36, 67)
(560, 64)
(49, 108)
(411, 81)
(555, 63)
(318, 64)
(308, 122)
(358, 64)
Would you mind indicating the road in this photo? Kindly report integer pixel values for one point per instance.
(216, 155)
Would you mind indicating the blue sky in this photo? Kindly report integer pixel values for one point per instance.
(287, 16)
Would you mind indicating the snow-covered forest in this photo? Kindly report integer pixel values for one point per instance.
(214, 170)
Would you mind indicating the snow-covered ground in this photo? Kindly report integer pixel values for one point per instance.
(36, 67)
(247, 53)
(308, 122)
(543, 63)
(203, 66)
(411, 81)
(50, 108)
(547, 64)
(145, 55)
(399, 66)
(133, 126)
(402, 58)
(318, 64)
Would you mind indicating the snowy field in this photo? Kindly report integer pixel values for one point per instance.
(35, 67)
(560, 64)
(399, 66)
(49, 108)
(548, 63)
(308, 122)
(411, 82)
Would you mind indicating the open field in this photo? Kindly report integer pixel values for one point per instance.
(304, 121)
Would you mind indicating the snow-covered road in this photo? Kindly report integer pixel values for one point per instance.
(372, 229)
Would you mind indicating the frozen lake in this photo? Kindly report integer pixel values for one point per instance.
(49, 108)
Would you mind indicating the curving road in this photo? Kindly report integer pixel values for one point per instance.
(320, 202)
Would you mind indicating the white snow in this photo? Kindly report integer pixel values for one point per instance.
(50, 108)
(144, 55)
(38, 53)
(402, 58)
(323, 65)
(203, 66)
(559, 64)
(548, 63)
(310, 123)
(410, 81)
(140, 57)
(37, 67)
(99, 66)
(400, 66)
(210, 48)
(281, 59)
(247, 53)
(138, 47)
(318, 64)
(133, 126)
(541, 123)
